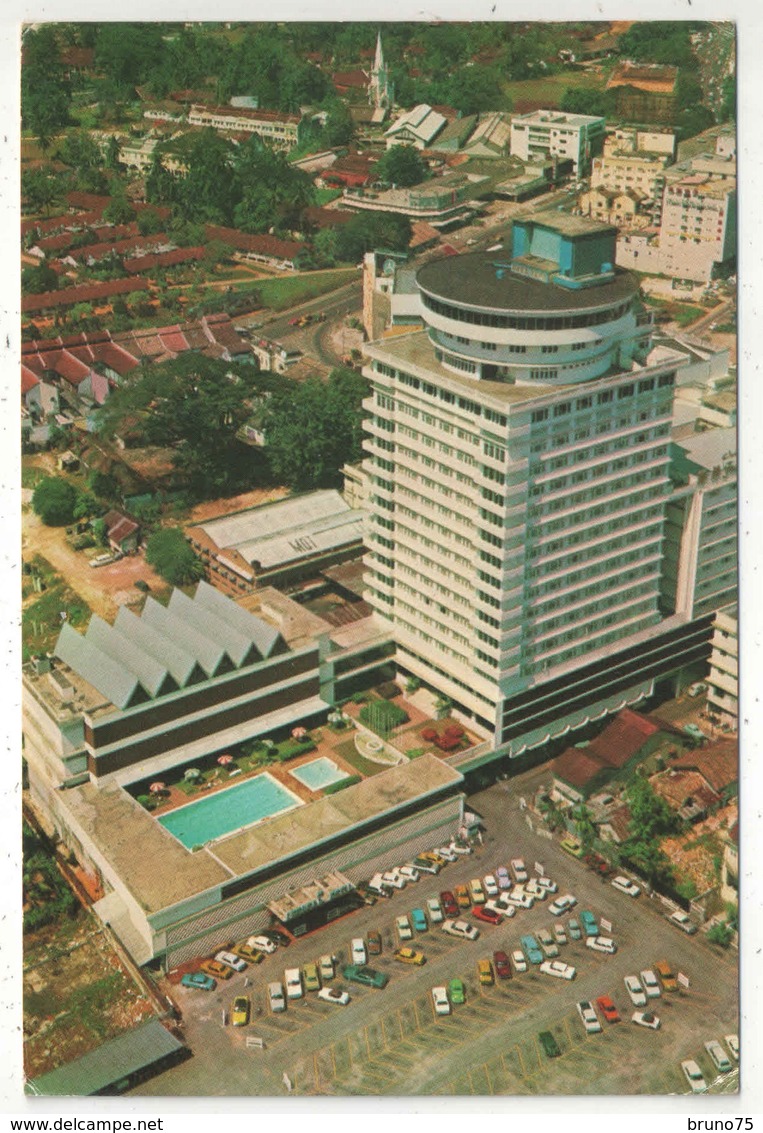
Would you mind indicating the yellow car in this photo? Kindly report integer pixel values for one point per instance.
(251, 955)
(216, 969)
(311, 977)
(240, 1013)
(409, 956)
(485, 972)
(463, 897)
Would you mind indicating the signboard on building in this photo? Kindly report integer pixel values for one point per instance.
(682, 979)
(606, 925)
(539, 869)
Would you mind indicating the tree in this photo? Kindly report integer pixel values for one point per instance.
(172, 557)
(112, 152)
(39, 188)
(372, 230)
(311, 429)
(475, 89)
(37, 279)
(54, 501)
(402, 165)
(271, 192)
(119, 211)
(651, 820)
(45, 92)
(584, 827)
(582, 100)
(128, 54)
(208, 192)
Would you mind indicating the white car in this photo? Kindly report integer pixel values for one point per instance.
(231, 960)
(520, 898)
(461, 928)
(519, 961)
(589, 1017)
(394, 878)
(650, 983)
(635, 991)
(536, 891)
(732, 1042)
(441, 1001)
(333, 995)
(276, 998)
(261, 944)
(625, 886)
(718, 1055)
(682, 921)
(491, 885)
(326, 967)
(403, 926)
(693, 1076)
(434, 909)
(562, 905)
(547, 884)
(459, 848)
(558, 969)
(519, 869)
(495, 905)
(560, 936)
(378, 885)
(646, 1019)
(359, 953)
(293, 980)
(409, 872)
(601, 944)
(447, 852)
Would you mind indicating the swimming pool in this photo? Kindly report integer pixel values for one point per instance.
(319, 773)
(241, 805)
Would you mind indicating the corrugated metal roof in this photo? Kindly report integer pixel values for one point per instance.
(108, 1064)
(238, 646)
(180, 662)
(264, 635)
(111, 679)
(152, 675)
(208, 653)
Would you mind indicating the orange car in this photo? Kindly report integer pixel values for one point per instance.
(216, 969)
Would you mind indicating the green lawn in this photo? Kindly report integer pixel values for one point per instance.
(41, 621)
(279, 294)
(349, 754)
(325, 196)
(549, 89)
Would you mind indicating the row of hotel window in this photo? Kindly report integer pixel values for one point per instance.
(525, 322)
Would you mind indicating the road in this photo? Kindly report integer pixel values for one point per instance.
(390, 1042)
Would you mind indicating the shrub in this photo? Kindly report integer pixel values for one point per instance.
(290, 748)
(388, 691)
(412, 684)
(359, 697)
(382, 716)
(340, 786)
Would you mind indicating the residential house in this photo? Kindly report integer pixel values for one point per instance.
(626, 740)
(122, 532)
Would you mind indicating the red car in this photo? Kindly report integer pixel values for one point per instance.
(502, 965)
(486, 915)
(608, 1009)
(449, 904)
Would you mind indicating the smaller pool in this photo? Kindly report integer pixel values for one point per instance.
(319, 773)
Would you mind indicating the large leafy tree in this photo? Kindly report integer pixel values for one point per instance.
(209, 189)
(54, 501)
(173, 558)
(313, 428)
(272, 193)
(651, 820)
(127, 55)
(402, 165)
(372, 230)
(45, 92)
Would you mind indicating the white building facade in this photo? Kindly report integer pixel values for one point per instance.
(552, 133)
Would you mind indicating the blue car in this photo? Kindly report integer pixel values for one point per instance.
(531, 949)
(419, 920)
(199, 980)
(588, 921)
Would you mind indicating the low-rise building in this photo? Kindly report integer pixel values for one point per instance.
(723, 679)
(442, 201)
(279, 129)
(417, 127)
(491, 137)
(553, 133)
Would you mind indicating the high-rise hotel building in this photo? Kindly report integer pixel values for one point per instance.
(518, 455)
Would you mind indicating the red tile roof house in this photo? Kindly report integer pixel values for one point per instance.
(717, 762)
(626, 740)
(123, 533)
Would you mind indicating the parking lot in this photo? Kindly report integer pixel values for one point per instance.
(391, 1042)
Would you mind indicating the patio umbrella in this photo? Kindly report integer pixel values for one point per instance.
(157, 788)
(192, 773)
(224, 760)
(299, 733)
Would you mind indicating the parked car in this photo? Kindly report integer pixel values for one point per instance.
(364, 975)
(589, 1017)
(409, 956)
(374, 942)
(502, 877)
(394, 879)
(419, 920)
(504, 909)
(601, 944)
(732, 1042)
(327, 967)
(694, 1076)
(445, 854)
(334, 995)
(476, 892)
(562, 905)
(426, 865)
(441, 1001)
(560, 936)
(463, 897)
(558, 969)
(518, 960)
(233, 961)
(216, 969)
(519, 898)
(718, 1055)
(449, 903)
(251, 955)
(646, 1019)
(240, 1013)
(457, 991)
(460, 849)
(682, 921)
(262, 944)
(625, 886)
(665, 973)
(461, 928)
(650, 984)
(276, 998)
(531, 949)
(490, 885)
(635, 991)
(588, 921)
(293, 981)
(199, 980)
(547, 943)
(547, 884)
(365, 894)
(489, 916)
(275, 936)
(377, 886)
(403, 926)
(549, 1044)
(358, 950)
(485, 972)
(409, 872)
(502, 965)
(519, 869)
(434, 910)
(573, 928)
(608, 1009)
(311, 977)
(572, 847)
